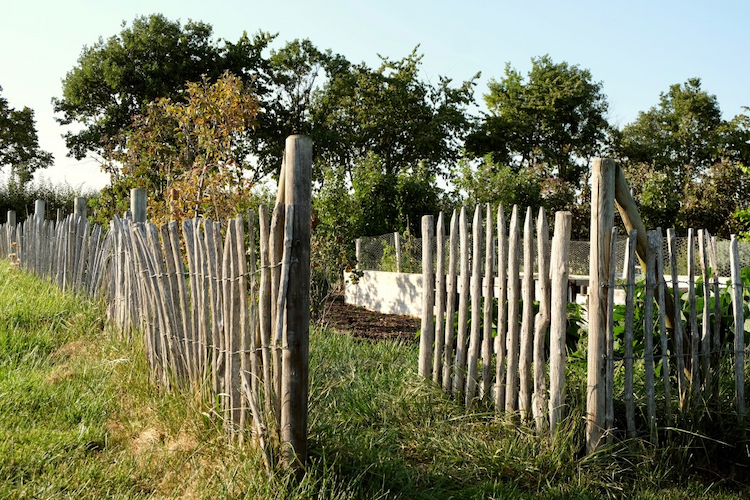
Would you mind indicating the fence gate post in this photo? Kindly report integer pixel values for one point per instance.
(294, 388)
(602, 220)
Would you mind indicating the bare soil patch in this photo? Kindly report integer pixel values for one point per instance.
(361, 323)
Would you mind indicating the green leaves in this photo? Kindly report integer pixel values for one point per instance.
(19, 145)
(554, 118)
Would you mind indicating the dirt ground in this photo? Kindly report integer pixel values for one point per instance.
(362, 323)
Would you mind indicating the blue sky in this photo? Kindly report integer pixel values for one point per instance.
(636, 48)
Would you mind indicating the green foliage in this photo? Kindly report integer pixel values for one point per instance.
(21, 197)
(189, 155)
(554, 119)
(392, 113)
(19, 145)
(115, 79)
(81, 418)
(685, 165)
(489, 182)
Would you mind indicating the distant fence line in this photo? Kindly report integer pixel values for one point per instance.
(215, 316)
(402, 252)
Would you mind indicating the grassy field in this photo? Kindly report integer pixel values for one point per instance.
(79, 418)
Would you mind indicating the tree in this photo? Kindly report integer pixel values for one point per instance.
(392, 113)
(188, 154)
(116, 79)
(680, 137)
(684, 163)
(554, 120)
(19, 145)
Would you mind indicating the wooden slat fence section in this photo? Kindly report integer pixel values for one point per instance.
(190, 292)
(473, 362)
(632, 354)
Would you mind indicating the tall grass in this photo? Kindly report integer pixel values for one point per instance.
(79, 418)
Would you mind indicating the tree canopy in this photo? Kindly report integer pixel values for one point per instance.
(19, 145)
(685, 163)
(554, 119)
(115, 79)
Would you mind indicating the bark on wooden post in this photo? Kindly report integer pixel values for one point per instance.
(138, 204)
(39, 210)
(602, 220)
(502, 329)
(527, 320)
(296, 342)
(476, 299)
(80, 206)
(542, 321)
(514, 296)
(427, 335)
(459, 376)
(558, 315)
(489, 264)
(437, 362)
(450, 312)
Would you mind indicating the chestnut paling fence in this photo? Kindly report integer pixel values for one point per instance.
(214, 316)
(508, 343)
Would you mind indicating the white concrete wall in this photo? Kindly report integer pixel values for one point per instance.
(389, 293)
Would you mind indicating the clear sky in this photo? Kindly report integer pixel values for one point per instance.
(636, 48)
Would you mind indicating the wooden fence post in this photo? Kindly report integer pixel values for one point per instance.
(296, 353)
(476, 299)
(80, 206)
(437, 362)
(358, 250)
(514, 296)
(602, 220)
(138, 204)
(39, 210)
(558, 315)
(525, 356)
(541, 322)
(427, 336)
(12, 218)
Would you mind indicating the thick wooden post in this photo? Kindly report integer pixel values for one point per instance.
(602, 220)
(39, 210)
(427, 336)
(138, 204)
(294, 392)
(12, 218)
(80, 206)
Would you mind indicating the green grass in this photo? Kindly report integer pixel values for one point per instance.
(79, 418)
